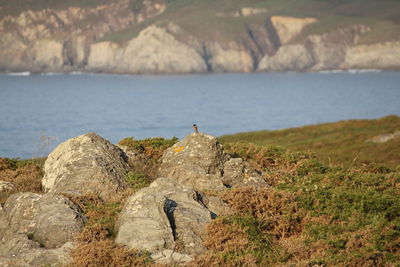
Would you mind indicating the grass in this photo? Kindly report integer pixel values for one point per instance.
(312, 214)
(199, 19)
(344, 142)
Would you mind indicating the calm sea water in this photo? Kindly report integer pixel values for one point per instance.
(65, 106)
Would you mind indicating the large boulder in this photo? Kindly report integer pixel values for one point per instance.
(50, 220)
(86, 164)
(37, 230)
(197, 161)
(167, 219)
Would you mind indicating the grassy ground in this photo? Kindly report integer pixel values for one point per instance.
(343, 142)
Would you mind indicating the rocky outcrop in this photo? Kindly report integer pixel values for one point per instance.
(288, 58)
(37, 230)
(289, 27)
(199, 161)
(86, 164)
(163, 218)
(380, 56)
(32, 40)
(155, 50)
(232, 57)
(196, 161)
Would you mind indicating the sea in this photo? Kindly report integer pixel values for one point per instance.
(37, 112)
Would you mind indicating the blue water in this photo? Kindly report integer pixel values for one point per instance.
(65, 106)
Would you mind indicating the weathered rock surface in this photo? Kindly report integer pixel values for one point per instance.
(37, 230)
(162, 217)
(383, 138)
(155, 50)
(197, 161)
(288, 58)
(51, 220)
(289, 27)
(86, 164)
(380, 56)
(228, 58)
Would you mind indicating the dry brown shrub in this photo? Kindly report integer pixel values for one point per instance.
(107, 253)
(25, 179)
(225, 238)
(277, 209)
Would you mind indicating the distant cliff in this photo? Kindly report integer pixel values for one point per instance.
(147, 36)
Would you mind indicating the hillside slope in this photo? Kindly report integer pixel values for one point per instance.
(345, 142)
(170, 36)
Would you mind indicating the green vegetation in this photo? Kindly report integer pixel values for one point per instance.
(200, 19)
(312, 214)
(344, 142)
(136, 180)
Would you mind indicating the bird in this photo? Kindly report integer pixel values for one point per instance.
(196, 130)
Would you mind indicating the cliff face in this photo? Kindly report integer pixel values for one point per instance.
(52, 40)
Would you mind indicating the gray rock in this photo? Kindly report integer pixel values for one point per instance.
(86, 164)
(197, 161)
(161, 217)
(6, 186)
(49, 220)
(19, 251)
(36, 230)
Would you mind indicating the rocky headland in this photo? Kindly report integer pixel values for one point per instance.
(87, 39)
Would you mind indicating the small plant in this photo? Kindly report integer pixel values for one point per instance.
(136, 180)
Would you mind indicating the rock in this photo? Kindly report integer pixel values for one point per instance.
(383, 138)
(381, 56)
(155, 50)
(329, 49)
(6, 187)
(19, 251)
(288, 58)
(289, 27)
(12, 52)
(197, 161)
(228, 58)
(49, 220)
(86, 164)
(248, 11)
(162, 217)
(36, 230)
(47, 55)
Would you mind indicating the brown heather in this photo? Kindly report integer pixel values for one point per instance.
(25, 175)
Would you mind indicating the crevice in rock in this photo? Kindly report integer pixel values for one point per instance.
(273, 37)
(169, 208)
(205, 54)
(254, 40)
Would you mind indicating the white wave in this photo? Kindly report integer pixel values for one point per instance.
(331, 71)
(25, 73)
(363, 70)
